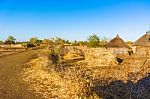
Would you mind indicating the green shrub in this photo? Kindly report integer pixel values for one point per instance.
(93, 41)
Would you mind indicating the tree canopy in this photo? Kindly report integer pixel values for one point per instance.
(10, 40)
(93, 40)
(35, 40)
(58, 41)
(1, 42)
(48, 42)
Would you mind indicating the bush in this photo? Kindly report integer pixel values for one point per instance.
(93, 41)
(54, 57)
(51, 55)
(30, 45)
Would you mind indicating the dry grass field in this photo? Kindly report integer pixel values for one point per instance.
(42, 74)
(77, 79)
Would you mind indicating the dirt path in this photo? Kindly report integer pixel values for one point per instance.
(11, 86)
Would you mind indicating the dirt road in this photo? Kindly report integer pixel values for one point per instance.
(11, 85)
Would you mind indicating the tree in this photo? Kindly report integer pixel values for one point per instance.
(48, 42)
(10, 40)
(34, 40)
(82, 43)
(67, 42)
(1, 42)
(93, 41)
(75, 43)
(58, 41)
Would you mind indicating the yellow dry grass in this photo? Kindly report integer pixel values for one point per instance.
(51, 84)
(72, 56)
(76, 81)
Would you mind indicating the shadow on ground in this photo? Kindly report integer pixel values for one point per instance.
(119, 90)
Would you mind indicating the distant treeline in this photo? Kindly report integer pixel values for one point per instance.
(92, 41)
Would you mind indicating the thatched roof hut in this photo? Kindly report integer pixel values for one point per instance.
(117, 42)
(143, 41)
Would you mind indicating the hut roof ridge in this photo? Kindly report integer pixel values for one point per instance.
(117, 42)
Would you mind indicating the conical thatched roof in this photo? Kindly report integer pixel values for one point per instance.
(117, 42)
(143, 41)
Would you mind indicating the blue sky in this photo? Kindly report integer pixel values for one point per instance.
(74, 19)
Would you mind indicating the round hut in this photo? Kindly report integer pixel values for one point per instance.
(118, 46)
(142, 45)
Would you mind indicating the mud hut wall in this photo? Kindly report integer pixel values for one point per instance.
(74, 49)
(142, 51)
(133, 49)
(17, 46)
(11, 49)
(4, 46)
(119, 51)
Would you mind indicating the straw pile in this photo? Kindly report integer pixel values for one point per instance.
(98, 57)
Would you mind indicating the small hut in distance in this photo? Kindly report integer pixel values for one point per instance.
(117, 46)
(142, 45)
